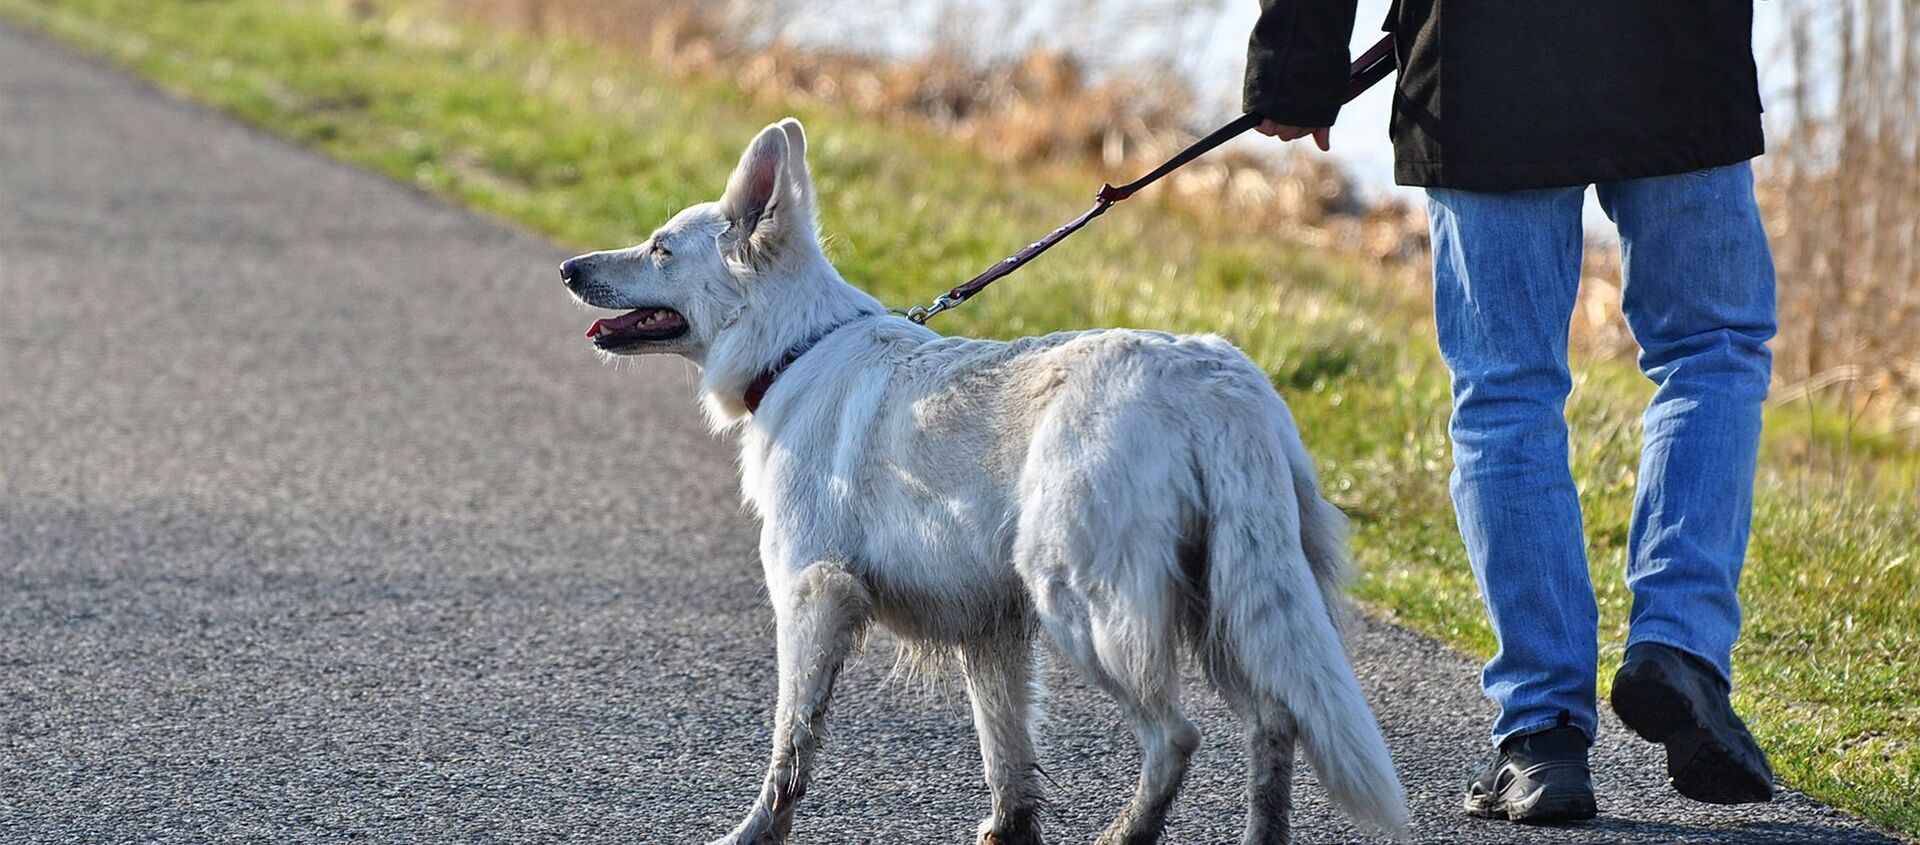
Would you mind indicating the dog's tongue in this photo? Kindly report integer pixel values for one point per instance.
(619, 324)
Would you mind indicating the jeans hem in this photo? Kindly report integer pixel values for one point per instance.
(1725, 672)
(1586, 725)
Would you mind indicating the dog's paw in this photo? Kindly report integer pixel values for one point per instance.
(1023, 834)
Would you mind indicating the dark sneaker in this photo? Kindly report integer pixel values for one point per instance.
(1536, 779)
(1674, 698)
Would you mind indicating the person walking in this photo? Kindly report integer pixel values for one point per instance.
(1505, 111)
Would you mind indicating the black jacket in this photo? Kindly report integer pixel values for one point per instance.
(1508, 94)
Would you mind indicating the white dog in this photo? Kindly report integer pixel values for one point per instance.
(1130, 493)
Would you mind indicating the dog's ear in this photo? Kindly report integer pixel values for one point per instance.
(757, 194)
(799, 184)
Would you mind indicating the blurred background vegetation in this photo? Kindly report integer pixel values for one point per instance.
(592, 120)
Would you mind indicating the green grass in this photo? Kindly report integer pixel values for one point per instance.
(595, 148)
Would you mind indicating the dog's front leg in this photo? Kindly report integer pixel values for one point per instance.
(821, 614)
(999, 682)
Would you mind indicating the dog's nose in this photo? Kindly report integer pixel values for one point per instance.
(570, 270)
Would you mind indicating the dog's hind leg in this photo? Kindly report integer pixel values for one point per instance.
(1270, 743)
(1131, 657)
(1167, 742)
(999, 682)
(821, 616)
(1099, 533)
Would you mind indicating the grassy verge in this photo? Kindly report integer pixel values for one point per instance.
(594, 148)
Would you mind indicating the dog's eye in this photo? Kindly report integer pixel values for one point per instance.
(661, 252)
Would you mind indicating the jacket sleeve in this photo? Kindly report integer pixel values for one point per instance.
(1297, 61)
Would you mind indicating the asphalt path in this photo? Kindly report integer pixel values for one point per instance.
(319, 521)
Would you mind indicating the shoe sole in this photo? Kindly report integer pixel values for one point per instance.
(1543, 806)
(1701, 763)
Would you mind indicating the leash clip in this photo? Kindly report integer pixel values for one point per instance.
(920, 314)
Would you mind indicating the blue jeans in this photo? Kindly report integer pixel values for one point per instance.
(1698, 297)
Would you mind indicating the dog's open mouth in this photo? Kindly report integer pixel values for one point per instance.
(636, 327)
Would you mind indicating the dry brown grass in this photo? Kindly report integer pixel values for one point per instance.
(1842, 195)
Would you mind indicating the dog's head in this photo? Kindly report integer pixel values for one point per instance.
(691, 280)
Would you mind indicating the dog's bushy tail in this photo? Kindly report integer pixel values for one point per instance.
(1276, 604)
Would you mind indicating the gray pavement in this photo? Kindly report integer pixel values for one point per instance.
(320, 522)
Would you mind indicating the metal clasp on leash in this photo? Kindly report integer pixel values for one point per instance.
(921, 313)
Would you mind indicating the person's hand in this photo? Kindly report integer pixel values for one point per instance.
(1289, 133)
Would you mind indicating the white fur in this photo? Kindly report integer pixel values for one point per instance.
(1131, 494)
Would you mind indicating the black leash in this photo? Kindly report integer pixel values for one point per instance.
(1371, 67)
